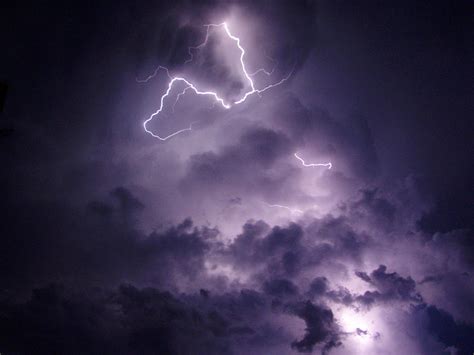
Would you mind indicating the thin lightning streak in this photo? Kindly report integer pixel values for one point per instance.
(178, 97)
(191, 86)
(152, 75)
(328, 165)
(203, 44)
(264, 71)
(292, 210)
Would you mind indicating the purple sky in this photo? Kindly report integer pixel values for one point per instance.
(219, 240)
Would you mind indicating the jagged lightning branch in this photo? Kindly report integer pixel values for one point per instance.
(191, 86)
(328, 165)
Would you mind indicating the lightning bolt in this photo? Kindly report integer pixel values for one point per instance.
(195, 89)
(328, 165)
(292, 210)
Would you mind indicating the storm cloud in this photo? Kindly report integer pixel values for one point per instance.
(220, 240)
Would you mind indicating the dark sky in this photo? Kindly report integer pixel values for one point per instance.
(219, 240)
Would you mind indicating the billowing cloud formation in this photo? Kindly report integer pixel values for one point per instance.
(284, 288)
(390, 286)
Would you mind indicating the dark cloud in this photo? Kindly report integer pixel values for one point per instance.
(278, 250)
(443, 217)
(319, 132)
(344, 296)
(280, 288)
(127, 201)
(431, 278)
(99, 243)
(370, 205)
(130, 320)
(244, 166)
(320, 327)
(334, 237)
(445, 328)
(288, 251)
(389, 287)
(319, 286)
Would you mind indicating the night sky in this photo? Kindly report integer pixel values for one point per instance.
(217, 238)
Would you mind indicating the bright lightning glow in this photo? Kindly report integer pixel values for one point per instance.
(328, 165)
(191, 86)
(352, 320)
(360, 326)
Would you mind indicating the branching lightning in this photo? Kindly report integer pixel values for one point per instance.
(193, 87)
(328, 165)
(189, 86)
